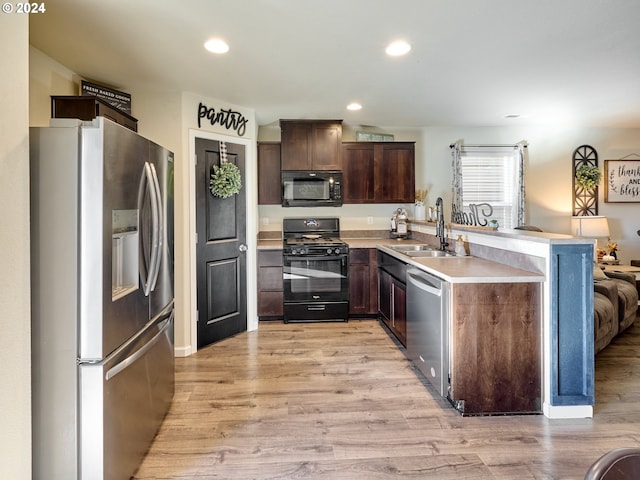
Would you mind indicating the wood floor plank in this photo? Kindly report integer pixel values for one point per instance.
(340, 401)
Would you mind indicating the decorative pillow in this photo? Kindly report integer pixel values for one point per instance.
(598, 273)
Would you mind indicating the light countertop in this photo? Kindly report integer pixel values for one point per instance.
(451, 269)
(270, 244)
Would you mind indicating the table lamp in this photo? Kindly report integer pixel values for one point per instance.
(591, 227)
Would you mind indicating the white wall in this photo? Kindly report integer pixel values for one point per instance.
(15, 343)
(352, 217)
(548, 176)
(167, 118)
(548, 172)
(47, 77)
(190, 130)
(548, 181)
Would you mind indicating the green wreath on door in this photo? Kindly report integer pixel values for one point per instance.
(225, 179)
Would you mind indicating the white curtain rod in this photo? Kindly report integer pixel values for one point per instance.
(465, 145)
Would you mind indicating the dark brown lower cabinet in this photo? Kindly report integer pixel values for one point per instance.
(363, 282)
(270, 288)
(495, 348)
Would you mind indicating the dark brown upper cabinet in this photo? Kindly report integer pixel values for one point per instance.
(378, 172)
(311, 144)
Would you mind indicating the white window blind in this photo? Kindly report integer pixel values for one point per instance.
(490, 175)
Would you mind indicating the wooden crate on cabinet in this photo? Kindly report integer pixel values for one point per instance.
(269, 178)
(378, 172)
(86, 107)
(270, 285)
(311, 144)
(363, 282)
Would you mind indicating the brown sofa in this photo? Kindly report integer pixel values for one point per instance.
(615, 305)
(605, 314)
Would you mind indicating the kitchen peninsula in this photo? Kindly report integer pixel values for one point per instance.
(561, 265)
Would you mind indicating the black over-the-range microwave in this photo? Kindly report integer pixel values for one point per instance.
(311, 188)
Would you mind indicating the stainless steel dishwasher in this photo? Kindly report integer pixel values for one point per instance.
(428, 326)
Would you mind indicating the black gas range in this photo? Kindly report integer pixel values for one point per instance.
(315, 270)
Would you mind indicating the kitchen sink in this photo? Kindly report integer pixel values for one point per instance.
(429, 254)
(420, 250)
(411, 248)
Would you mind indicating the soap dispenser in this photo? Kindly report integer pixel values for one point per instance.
(402, 223)
(461, 251)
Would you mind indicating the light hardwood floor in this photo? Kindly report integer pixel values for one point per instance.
(340, 401)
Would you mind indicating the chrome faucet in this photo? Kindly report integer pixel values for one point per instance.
(440, 233)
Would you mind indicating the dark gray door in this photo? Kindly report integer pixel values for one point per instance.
(221, 248)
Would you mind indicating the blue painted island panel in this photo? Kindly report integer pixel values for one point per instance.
(572, 357)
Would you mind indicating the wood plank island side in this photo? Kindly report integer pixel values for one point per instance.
(495, 351)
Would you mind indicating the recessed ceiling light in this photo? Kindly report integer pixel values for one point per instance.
(216, 45)
(398, 48)
(354, 106)
(512, 115)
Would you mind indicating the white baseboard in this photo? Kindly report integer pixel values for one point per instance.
(184, 351)
(568, 411)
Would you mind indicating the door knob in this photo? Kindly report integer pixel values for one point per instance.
(242, 247)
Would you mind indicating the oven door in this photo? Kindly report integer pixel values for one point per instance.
(316, 278)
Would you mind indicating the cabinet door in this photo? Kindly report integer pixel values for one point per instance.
(363, 282)
(326, 146)
(296, 145)
(384, 295)
(399, 311)
(269, 180)
(395, 173)
(358, 181)
(358, 289)
(270, 288)
(378, 172)
(311, 144)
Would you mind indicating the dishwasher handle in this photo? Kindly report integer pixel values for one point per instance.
(424, 282)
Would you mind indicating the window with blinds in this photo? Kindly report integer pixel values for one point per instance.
(494, 176)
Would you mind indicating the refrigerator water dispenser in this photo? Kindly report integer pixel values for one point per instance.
(124, 253)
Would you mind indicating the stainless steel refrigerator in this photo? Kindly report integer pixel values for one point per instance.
(102, 298)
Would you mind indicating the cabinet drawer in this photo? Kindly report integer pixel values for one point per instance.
(359, 256)
(270, 304)
(270, 278)
(270, 258)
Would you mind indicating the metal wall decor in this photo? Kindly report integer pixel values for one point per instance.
(585, 200)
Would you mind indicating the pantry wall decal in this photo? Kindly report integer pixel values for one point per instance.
(225, 117)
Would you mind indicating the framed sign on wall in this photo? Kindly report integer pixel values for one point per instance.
(622, 181)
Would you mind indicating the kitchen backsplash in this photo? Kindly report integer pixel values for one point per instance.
(352, 217)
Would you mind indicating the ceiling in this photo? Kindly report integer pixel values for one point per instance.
(472, 62)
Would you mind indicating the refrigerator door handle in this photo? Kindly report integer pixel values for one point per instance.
(146, 265)
(120, 366)
(156, 256)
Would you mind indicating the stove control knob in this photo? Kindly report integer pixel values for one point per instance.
(329, 251)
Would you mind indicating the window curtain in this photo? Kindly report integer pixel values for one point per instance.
(495, 175)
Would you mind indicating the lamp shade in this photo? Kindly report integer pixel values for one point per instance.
(590, 226)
